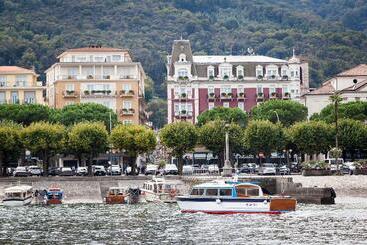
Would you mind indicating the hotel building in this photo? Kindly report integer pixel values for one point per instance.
(20, 86)
(196, 83)
(102, 75)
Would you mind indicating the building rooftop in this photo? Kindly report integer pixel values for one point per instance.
(357, 86)
(15, 70)
(326, 88)
(360, 70)
(96, 49)
(236, 58)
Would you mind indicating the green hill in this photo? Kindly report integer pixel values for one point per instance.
(330, 33)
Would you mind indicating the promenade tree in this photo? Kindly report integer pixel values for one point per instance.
(25, 114)
(288, 111)
(44, 139)
(312, 137)
(212, 136)
(91, 112)
(264, 136)
(356, 110)
(180, 137)
(352, 135)
(87, 140)
(228, 115)
(134, 139)
(11, 145)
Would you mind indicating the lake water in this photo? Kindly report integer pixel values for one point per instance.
(343, 223)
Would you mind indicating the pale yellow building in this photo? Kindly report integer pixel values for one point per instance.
(20, 86)
(102, 75)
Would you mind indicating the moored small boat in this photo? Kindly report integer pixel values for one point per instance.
(115, 195)
(160, 190)
(54, 195)
(18, 195)
(233, 197)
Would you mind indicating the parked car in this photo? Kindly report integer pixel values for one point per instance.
(348, 168)
(333, 163)
(99, 170)
(249, 168)
(284, 170)
(213, 169)
(21, 172)
(187, 170)
(35, 170)
(114, 170)
(295, 167)
(82, 171)
(66, 171)
(267, 168)
(151, 169)
(53, 171)
(170, 169)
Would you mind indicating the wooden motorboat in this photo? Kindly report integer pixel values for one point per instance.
(18, 195)
(116, 195)
(233, 197)
(54, 195)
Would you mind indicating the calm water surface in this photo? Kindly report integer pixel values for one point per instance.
(343, 223)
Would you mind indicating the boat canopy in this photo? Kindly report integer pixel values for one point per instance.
(18, 189)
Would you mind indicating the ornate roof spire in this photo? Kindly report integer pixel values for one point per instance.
(294, 53)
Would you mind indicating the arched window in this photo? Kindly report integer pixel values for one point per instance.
(211, 71)
(182, 58)
(239, 71)
(259, 71)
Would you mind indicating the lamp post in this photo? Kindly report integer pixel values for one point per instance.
(227, 169)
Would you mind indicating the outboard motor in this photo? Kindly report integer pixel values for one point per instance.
(133, 194)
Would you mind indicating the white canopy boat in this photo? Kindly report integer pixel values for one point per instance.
(233, 197)
(18, 195)
(160, 190)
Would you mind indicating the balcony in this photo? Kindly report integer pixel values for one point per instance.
(127, 111)
(183, 114)
(286, 96)
(127, 93)
(182, 96)
(260, 97)
(29, 100)
(241, 96)
(211, 96)
(95, 77)
(98, 93)
(273, 96)
(70, 94)
(226, 96)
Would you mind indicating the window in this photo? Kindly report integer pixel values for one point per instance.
(241, 89)
(225, 71)
(252, 192)
(211, 105)
(212, 192)
(211, 71)
(225, 192)
(81, 59)
(99, 59)
(272, 89)
(284, 71)
(127, 87)
(70, 87)
(285, 89)
(197, 192)
(21, 81)
(2, 81)
(259, 71)
(239, 71)
(14, 98)
(127, 105)
(29, 97)
(211, 90)
(182, 58)
(2, 98)
(127, 122)
(226, 104)
(73, 71)
(272, 71)
(259, 89)
(182, 72)
(116, 57)
(226, 89)
(241, 105)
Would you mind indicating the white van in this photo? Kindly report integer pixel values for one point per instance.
(332, 163)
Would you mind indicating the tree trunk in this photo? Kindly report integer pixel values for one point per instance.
(89, 163)
(2, 168)
(45, 163)
(180, 164)
(133, 165)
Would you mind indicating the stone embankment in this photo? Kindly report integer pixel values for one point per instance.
(310, 189)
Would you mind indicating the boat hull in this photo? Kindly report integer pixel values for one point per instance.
(53, 201)
(17, 202)
(159, 197)
(115, 199)
(235, 205)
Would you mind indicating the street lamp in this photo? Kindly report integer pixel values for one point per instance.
(227, 168)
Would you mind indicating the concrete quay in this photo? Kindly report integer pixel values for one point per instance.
(318, 190)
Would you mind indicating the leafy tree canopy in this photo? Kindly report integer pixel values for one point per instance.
(288, 111)
(228, 115)
(11, 145)
(157, 111)
(264, 136)
(352, 135)
(25, 114)
(312, 137)
(353, 110)
(91, 112)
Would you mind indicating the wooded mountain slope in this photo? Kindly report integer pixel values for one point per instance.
(330, 33)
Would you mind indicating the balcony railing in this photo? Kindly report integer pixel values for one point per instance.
(127, 111)
(127, 93)
(98, 93)
(70, 94)
(260, 97)
(273, 95)
(183, 113)
(286, 96)
(241, 95)
(224, 96)
(29, 101)
(95, 77)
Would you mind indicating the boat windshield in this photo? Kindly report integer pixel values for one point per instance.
(15, 194)
(197, 192)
